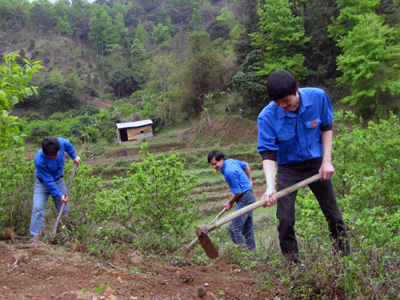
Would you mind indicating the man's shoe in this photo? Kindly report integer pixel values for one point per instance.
(33, 241)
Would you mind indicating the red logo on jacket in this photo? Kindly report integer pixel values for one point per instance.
(313, 123)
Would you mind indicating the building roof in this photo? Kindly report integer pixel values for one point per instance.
(134, 124)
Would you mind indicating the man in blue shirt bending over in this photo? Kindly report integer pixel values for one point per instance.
(49, 163)
(295, 130)
(238, 177)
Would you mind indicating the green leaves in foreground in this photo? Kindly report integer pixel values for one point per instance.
(156, 196)
(14, 81)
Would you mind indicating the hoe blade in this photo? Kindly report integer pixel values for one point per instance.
(207, 245)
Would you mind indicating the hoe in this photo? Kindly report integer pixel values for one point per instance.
(202, 231)
(63, 205)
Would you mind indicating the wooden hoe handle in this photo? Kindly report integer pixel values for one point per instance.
(217, 223)
(63, 205)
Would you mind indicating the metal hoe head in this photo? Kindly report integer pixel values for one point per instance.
(202, 231)
(206, 243)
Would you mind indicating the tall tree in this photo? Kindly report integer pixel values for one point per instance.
(249, 20)
(162, 67)
(41, 18)
(13, 15)
(110, 32)
(321, 50)
(202, 72)
(103, 33)
(249, 82)
(138, 55)
(370, 63)
(142, 35)
(79, 17)
(161, 34)
(282, 36)
(350, 10)
(64, 27)
(121, 29)
(96, 29)
(196, 20)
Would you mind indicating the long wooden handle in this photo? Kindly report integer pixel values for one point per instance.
(191, 245)
(217, 223)
(63, 205)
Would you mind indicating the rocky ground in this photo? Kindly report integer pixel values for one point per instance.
(43, 271)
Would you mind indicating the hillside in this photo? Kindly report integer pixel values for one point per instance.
(182, 63)
(45, 271)
(48, 270)
(103, 260)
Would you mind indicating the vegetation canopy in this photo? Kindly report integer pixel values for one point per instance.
(74, 69)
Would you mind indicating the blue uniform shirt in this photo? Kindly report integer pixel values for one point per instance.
(48, 169)
(295, 137)
(235, 176)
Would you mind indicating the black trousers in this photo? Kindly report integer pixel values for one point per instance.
(290, 174)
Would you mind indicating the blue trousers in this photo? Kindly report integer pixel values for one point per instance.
(290, 174)
(40, 197)
(241, 228)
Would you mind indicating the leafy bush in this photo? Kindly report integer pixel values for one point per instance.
(157, 196)
(110, 135)
(366, 162)
(93, 134)
(366, 183)
(57, 97)
(58, 116)
(89, 110)
(377, 229)
(61, 128)
(88, 89)
(124, 82)
(16, 191)
(37, 134)
(35, 116)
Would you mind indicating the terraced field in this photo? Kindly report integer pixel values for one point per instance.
(211, 191)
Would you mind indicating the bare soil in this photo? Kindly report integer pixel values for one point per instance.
(42, 271)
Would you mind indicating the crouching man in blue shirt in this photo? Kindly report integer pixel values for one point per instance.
(295, 130)
(238, 177)
(49, 163)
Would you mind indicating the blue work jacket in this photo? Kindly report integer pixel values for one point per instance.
(48, 169)
(235, 176)
(295, 137)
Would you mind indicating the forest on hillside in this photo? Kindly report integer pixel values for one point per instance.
(74, 69)
(163, 59)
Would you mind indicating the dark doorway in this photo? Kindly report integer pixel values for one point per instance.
(123, 134)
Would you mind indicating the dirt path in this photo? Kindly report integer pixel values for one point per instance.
(45, 271)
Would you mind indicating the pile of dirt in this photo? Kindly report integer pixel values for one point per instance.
(232, 130)
(45, 271)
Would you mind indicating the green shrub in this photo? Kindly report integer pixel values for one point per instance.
(58, 116)
(35, 116)
(110, 135)
(16, 191)
(93, 134)
(37, 134)
(157, 196)
(366, 162)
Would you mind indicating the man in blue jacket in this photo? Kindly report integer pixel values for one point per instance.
(238, 176)
(295, 130)
(49, 163)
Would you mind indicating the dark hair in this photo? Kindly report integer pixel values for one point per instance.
(215, 154)
(281, 84)
(50, 146)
